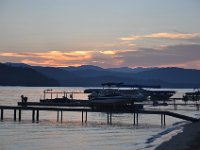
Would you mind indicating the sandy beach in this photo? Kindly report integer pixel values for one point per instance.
(186, 140)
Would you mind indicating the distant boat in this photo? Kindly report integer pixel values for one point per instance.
(116, 93)
(160, 95)
(191, 96)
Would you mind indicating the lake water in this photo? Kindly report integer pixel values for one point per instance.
(71, 134)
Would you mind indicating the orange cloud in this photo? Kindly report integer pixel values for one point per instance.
(52, 58)
(115, 52)
(67, 56)
(12, 55)
(110, 52)
(173, 35)
(131, 38)
(163, 35)
(50, 63)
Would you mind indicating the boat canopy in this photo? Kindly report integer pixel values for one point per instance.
(120, 84)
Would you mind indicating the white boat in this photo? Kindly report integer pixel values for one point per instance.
(112, 93)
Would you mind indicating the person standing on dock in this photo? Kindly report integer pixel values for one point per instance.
(24, 99)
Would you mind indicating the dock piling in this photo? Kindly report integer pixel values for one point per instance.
(82, 116)
(137, 118)
(20, 114)
(134, 118)
(58, 116)
(61, 116)
(85, 116)
(37, 115)
(15, 114)
(110, 117)
(107, 118)
(2, 114)
(163, 121)
(33, 115)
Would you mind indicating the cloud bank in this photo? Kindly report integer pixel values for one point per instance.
(186, 56)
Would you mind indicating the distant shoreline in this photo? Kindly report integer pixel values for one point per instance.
(83, 86)
(188, 139)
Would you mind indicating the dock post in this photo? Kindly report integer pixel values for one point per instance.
(61, 116)
(107, 118)
(134, 119)
(1, 113)
(33, 115)
(110, 117)
(137, 118)
(15, 114)
(20, 114)
(86, 116)
(37, 115)
(161, 119)
(164, 120)
(57, 115)
(82, 116)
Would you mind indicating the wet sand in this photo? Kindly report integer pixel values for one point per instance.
(189, 139)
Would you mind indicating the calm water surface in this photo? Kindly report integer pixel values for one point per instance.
(73, 135)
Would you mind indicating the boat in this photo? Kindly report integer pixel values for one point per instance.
(192, 96)
(160, 95)
(116, 93)
(118, 96)
(67, 97)
(119, 93)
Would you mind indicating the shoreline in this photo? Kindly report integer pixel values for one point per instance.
(186, 140)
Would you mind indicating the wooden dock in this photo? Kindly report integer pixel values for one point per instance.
(85, 103)
(84, 110)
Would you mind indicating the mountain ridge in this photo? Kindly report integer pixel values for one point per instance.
(23, 76)
(88, 75)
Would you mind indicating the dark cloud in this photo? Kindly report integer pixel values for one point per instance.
(164, 56)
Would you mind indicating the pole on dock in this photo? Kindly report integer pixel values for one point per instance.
(61, 116)
(164, 120)
(15, 114)
(134, 118)
(20, 113)
(58, 116)
(1, 113)
(86, 116)
(33, 115)
(110, 118)
(107, 118)
(137, 118)
(37, 115)
(82, 116)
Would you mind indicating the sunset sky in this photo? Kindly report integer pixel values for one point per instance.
(106, 33)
